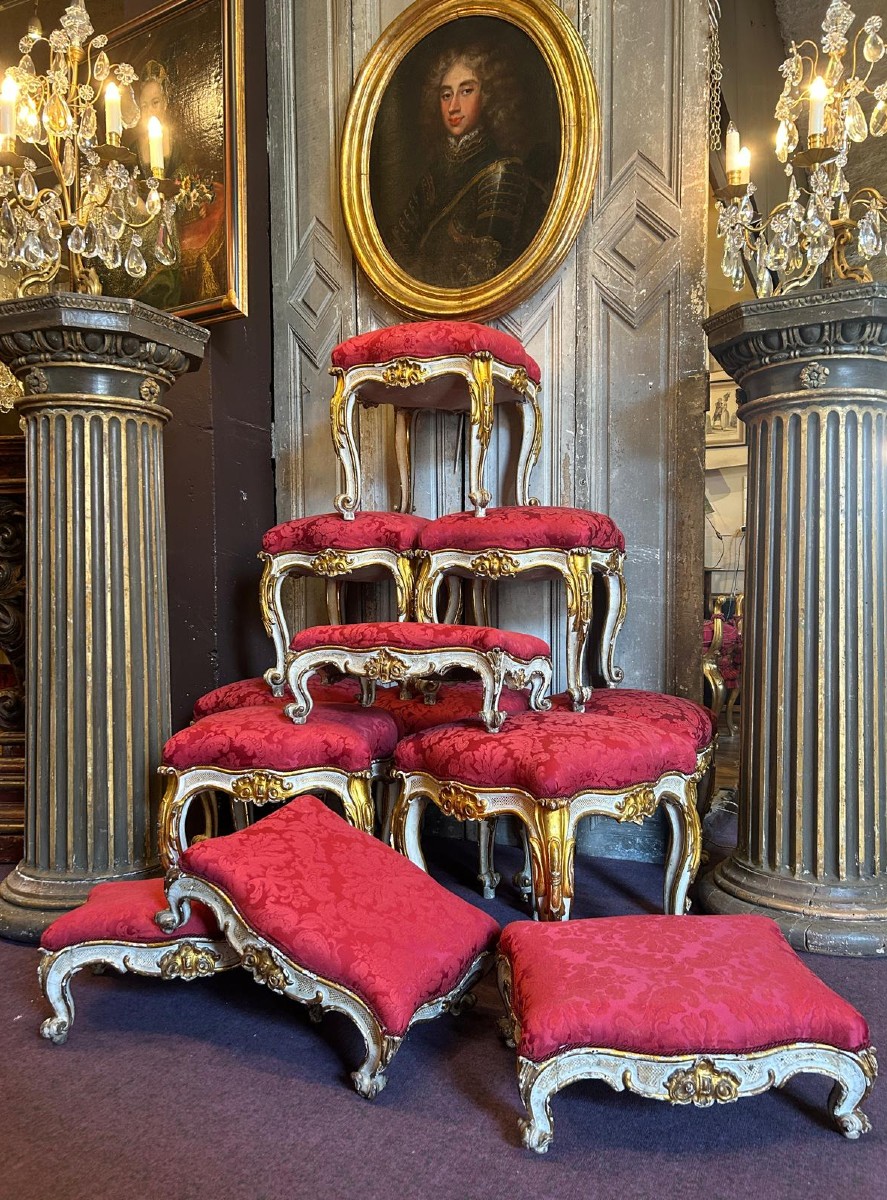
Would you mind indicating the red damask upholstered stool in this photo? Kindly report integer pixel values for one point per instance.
(700, 1012)
(257, 756)
(652, 709)
(368, 546)
(551, 770)
(390, 652)
(444, 365)
(331, 917)
(255, 693)
(116, 928)
(722, 655)
(534, 541)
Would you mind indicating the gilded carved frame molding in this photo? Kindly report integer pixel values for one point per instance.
(567, 61)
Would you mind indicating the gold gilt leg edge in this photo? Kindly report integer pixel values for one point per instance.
(698, 1079)
(271, 967)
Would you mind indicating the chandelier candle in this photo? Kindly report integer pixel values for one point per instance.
(95, 207)
(822, 233)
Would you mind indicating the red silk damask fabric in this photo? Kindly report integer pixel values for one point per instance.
(523, 527)
(420, 635)
(455, 702)
(433, 339)
(334, 735)
(550, 754)
(669, 985)
(124, 912)
(648, 708)
(252, 693)
(347, 907)
(730, 657)
(330, 531)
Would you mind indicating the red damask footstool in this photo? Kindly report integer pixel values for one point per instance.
(573, 544)
(329, 916)
(255, 755)
(367, 547)
(443, 365)
(255, 693)
(700, 1011)
(551, 770)
(116, 928)
(390, 652)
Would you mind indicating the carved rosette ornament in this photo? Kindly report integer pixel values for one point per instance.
(520, 381)
(703, 1085)
(264, 967)
(385, 667)
(814, 375)
(96, 544)
(261, 787)
(637, 806)
(404, 373)
(495, 564)
(187, 961)
(331, 563)
(455, 801)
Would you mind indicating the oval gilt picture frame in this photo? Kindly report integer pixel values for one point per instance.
(469, 154)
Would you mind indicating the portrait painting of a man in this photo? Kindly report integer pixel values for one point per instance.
(465, 151)
(178, 55)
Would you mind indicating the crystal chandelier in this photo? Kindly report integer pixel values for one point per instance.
(821, 222)
(72, 197)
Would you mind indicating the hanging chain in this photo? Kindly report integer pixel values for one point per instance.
(715, 75)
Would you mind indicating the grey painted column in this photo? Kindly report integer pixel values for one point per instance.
(94, 371)
(812, 849)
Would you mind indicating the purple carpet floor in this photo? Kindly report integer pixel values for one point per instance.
(218, 1089)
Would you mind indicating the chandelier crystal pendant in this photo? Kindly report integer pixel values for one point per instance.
(821, 224)
(73, 198)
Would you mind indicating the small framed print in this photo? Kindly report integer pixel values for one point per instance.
(722, 424)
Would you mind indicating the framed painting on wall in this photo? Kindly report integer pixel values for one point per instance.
(187, 56)
(469, 154)
(722, 424)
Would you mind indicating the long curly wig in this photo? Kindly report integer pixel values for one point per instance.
(500, 94)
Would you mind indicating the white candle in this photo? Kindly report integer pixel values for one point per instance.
(8, 98)
(732, 148)
(743, 164)
(818, 96)
(155, 147)
(113, 118)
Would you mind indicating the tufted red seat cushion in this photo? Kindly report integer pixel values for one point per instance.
(420, 635)
(124, 912)
(669, 986)
(550, 754)
(251, 693)
(334, 735)
(432, 339)
(364, 531)
(346, 907)
(648, 708)
(522, 527)
(455, 702)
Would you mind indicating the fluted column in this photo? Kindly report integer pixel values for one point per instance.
(94, 372)
(812, 849)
